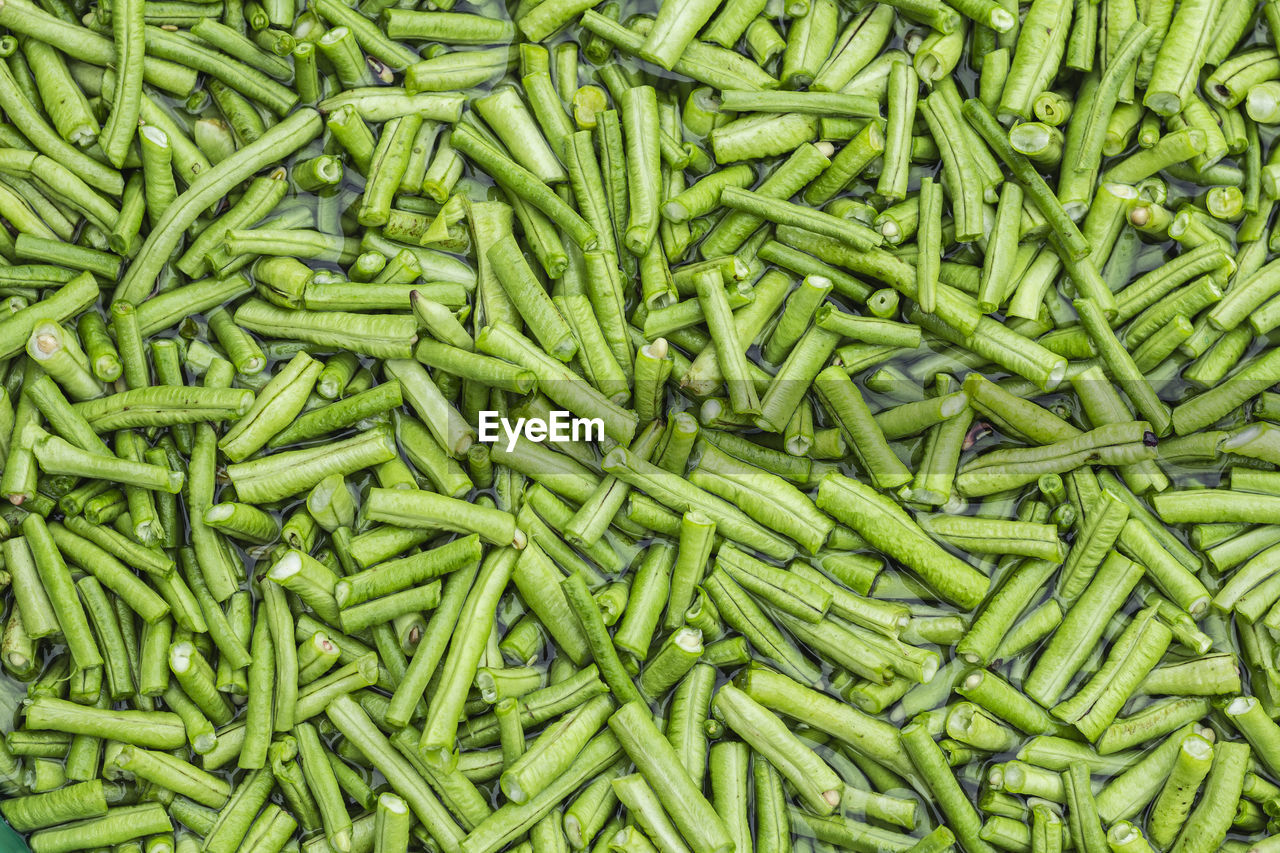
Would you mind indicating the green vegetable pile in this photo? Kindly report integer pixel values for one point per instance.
(735, 426)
